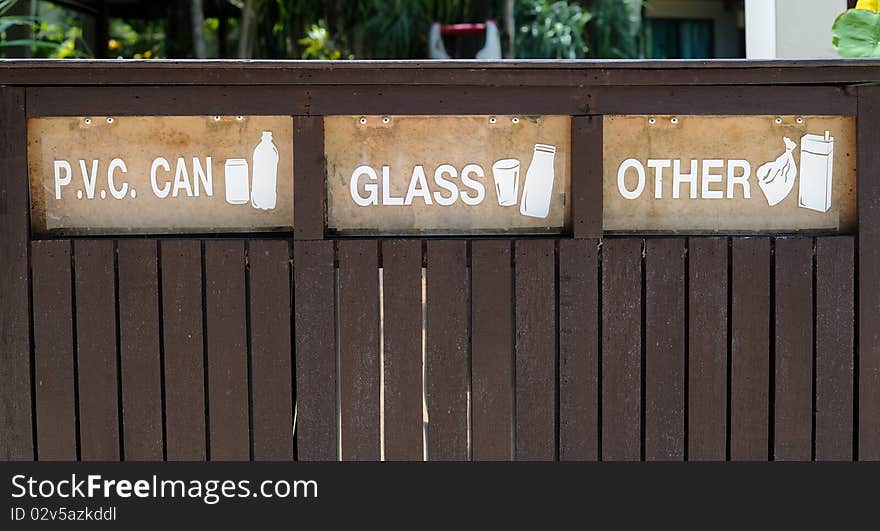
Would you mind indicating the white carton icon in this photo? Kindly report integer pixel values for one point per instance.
(817, 159)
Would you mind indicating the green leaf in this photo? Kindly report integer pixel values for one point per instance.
(856, 33)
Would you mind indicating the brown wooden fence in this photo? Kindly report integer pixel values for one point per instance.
(578, 347)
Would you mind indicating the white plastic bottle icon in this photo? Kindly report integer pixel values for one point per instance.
(265, 173)
(538, 185)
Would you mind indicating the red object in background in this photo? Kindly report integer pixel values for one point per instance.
(463, 29)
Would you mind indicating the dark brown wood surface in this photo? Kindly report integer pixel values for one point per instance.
(869, 265)
(586, 176)
(578, 350)
(16, 424)
(446, 356)
(315, 351)
(95, 283)
(492, 356)
(226, 322)
(536, 350)
(271, 361)
(834, 348)
(621, 365)
(402, 349)
(359, 349)
(310, 187)
(793, 339)
(184, 349)
(750, 349)
(54, 364)
(708, 348)
(139, 354)
(664, 349)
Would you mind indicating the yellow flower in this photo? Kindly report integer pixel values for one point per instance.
(869, 5)
(148, 54)
(113, 44)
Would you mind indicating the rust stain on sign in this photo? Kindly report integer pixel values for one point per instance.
(160, 174)
(729, 174)
(447, 174)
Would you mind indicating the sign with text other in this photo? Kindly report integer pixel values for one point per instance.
(729, 174)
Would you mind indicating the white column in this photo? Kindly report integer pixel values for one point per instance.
(791, 29)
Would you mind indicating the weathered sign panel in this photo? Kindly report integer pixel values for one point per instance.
(160, 174)
(729, 174)
(447, 174)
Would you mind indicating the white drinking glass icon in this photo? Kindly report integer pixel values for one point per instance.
(265, 174)
(237, 189)
(538, 185)
(506, 174)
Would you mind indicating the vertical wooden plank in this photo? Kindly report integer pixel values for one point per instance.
(869, 265)
(535, 274)
(492, 355)
(793, 415)
(750, 349)
(308, 177)
(183, 336)
(586, 176)
(621, 348)
(402, 344)
(578, 350)
(139, 350)
(315, 348)
(226, 322)
(664, 349)
(96, 350)
(16, 424)
(446, 294)
(359, 349)
(834, 348)
(707, 349)
(271, 372)
(53, 351)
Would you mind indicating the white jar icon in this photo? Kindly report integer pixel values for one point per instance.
(538, 185)
(265, 173)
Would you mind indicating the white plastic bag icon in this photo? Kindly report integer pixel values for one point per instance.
(776, 178)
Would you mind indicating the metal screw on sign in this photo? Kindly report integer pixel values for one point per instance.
(88, 121)
(674, 120)
(800, 119)
(239, 117)
(217, 118)
(778, 120)
(515, 120)
(652, 120)
(386, 120)
(363, 120)
(109, 119)
(492, 119)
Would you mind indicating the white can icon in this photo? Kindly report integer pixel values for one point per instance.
(817, 162)
(237, 190)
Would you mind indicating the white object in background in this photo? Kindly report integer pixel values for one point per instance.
(538, 185)
(506, 174)
(791, 29)
(776, 178)
(237, 189)
(817, 162)
(492, 48)
(265, 175)
(436, 50)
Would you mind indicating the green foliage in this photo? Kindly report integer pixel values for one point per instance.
(550, 30)
(616, 29)
(856, 33)
(53, 33)
(318, 44)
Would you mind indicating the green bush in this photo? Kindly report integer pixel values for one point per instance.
(550, 30)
